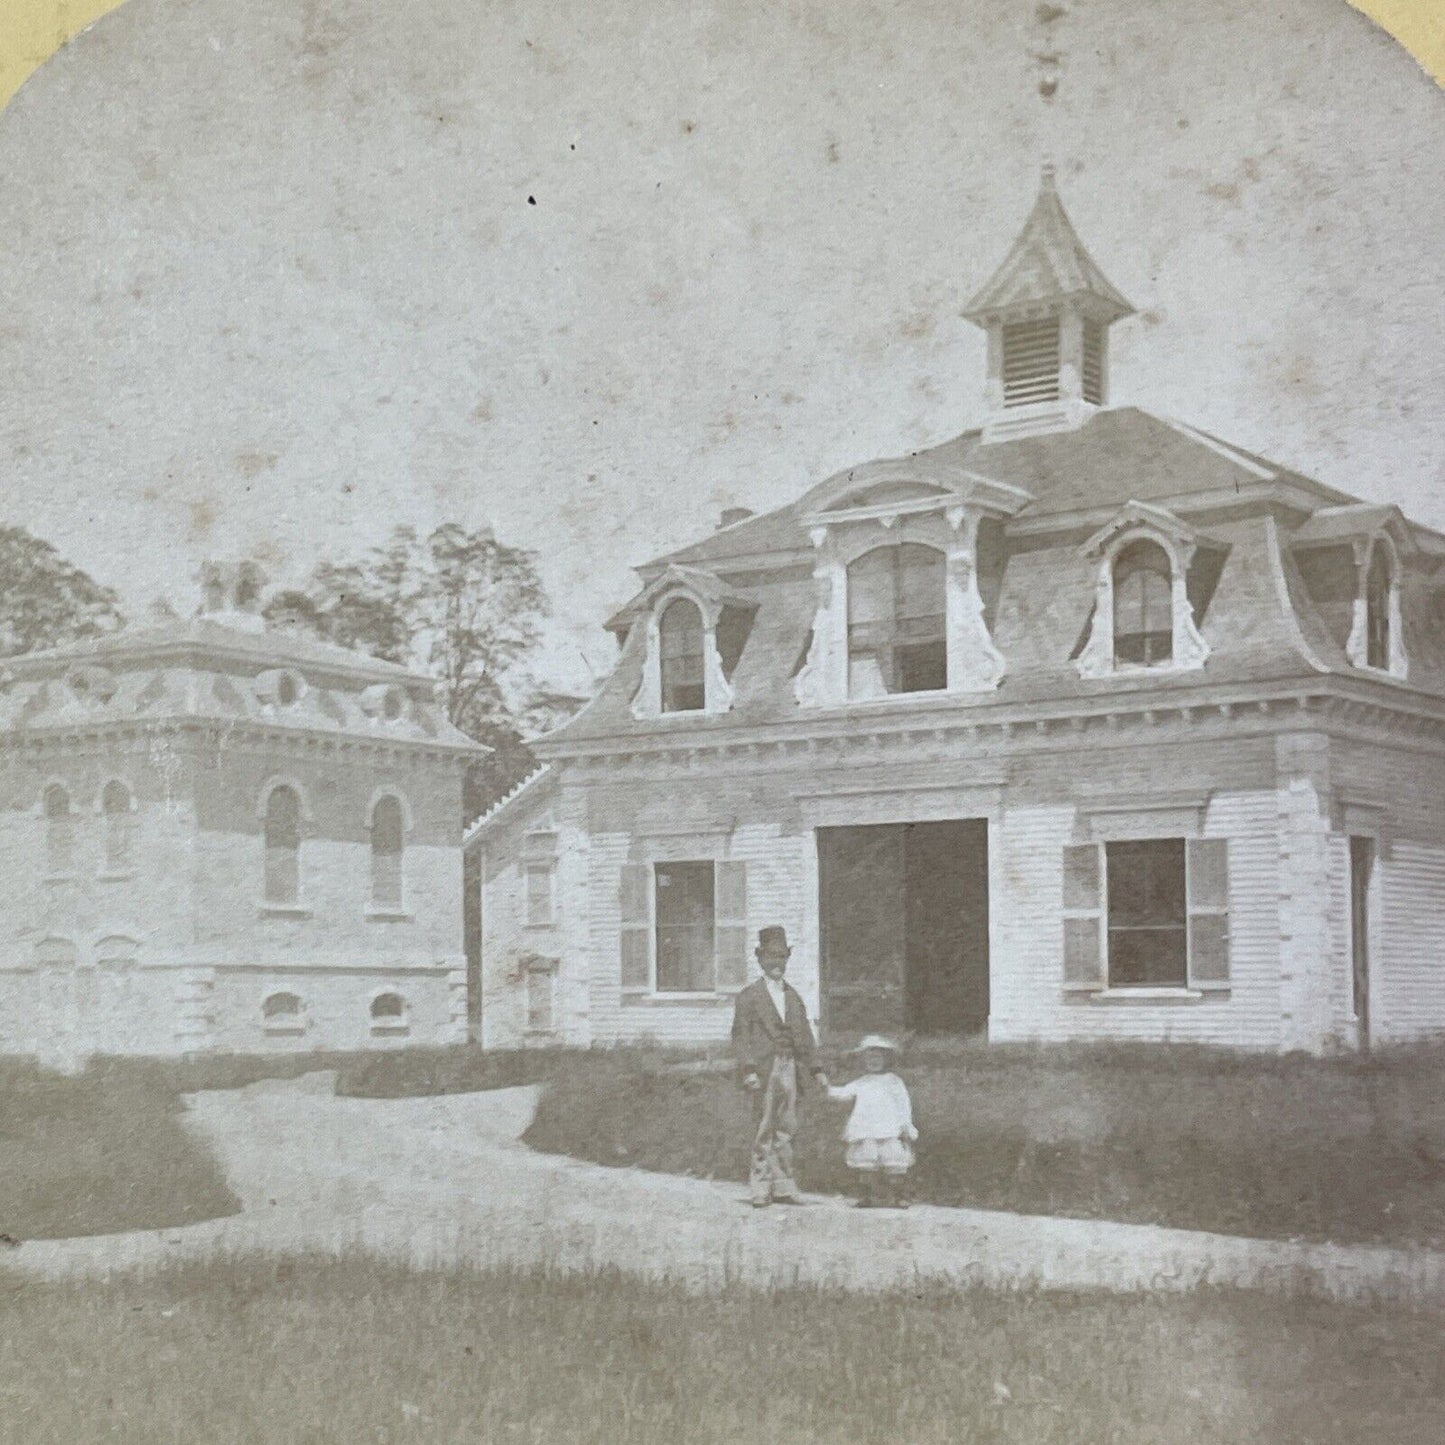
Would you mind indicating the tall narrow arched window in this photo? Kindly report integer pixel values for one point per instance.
(1143, 605)
(283, 845)
(386, 852)
(1377, 609)
(115, 808)
(59, 831)
(897, 628)
(681, 642)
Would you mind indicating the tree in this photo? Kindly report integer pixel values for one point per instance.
(461, 605)
(46, 601)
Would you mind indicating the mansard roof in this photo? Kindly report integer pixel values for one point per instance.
(1047, 263)
(1269, 618)
(202, 668)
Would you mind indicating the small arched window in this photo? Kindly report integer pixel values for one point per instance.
(1378, 581)
(283, 845)
(59, 831)
(283, 1013)
(680, 646)
(387, 825)
(897, 627)
(388, 1014)
(1143, 605)
(115, 807)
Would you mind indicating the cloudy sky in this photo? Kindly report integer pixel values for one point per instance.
(277, 274)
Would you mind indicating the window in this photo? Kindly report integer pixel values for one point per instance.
(282, 1013)
(1030, 362)
(59, 831)
(539, 894)
(283, 845)
(1148, 918)
(54, 952)
(387, 826)
(288, 689)
(897, 628)
(115, 807)
(683, 927)
(681, 642)
(541, 996)
(1377, 609)
(1143, 605)
(1146, 914)
(388, 1014)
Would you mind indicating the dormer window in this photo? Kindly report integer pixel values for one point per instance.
(1143, 617)
(694, 629)
(1377, 610)
(897, 622)
(681, 651)
(1143, 605)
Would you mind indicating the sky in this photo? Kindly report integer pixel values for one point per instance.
(277, 276)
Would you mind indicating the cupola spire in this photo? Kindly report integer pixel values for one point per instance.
(1047, 312)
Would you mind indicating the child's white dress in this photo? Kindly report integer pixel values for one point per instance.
(879, 1133)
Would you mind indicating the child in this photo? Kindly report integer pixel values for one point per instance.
(879, 1134)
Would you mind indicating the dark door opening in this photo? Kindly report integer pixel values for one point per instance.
(903, 910)
(1362, 867)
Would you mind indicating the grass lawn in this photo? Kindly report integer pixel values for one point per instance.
(315, 1352)
(1341, 1149)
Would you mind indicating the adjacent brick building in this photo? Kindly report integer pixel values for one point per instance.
(1084, 725)
(218, 837)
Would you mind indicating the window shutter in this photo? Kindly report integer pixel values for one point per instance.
(636, 937)
(1208, 883)
(731, 926)
(1083, 912)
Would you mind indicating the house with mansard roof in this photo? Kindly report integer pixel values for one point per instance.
(1082, 725)
(218, 836)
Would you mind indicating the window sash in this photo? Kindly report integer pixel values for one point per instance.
(685, 920)
(539, 877)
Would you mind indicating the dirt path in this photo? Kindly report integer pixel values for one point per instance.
(442, 1179)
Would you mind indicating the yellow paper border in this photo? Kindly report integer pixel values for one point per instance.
(31, 31)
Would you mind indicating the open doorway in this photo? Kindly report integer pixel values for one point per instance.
(903, 911)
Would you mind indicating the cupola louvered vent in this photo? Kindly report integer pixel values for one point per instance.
(1093, 368)
(1030, 362)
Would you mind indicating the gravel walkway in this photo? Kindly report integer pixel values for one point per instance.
(443, 1179)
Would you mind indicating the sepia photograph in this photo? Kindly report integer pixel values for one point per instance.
(722, 722)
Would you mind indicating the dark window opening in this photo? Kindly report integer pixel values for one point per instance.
(1143, 605)
(686, 919)
(897, 627)
(680, 637)
(283, 845)
(1377, 610)
(1030, 362)
(388, 1007)
(1148, 914)
(387, 827)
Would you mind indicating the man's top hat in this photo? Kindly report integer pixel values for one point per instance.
(773, 936)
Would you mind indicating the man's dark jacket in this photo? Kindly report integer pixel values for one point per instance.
(759, 1035)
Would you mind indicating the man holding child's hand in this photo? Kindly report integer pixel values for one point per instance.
(774, 1041)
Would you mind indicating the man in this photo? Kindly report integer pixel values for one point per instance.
(773, 1041)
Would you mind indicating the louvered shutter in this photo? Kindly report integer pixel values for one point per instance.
(636, 935)
(1207, 862)
(1085, 967)
(731, 925)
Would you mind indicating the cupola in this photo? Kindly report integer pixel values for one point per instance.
(1047, 312)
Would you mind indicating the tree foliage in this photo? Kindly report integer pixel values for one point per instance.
(459, 604)
(46, 601)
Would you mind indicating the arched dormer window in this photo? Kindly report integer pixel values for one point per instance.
(117, 813)
(1143, 616)
(282, 829)
(1143, 604)
(388, 828)
(897, 621)
(59, 831)
(1378, 581)
(681, 644)
(1377, 638)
